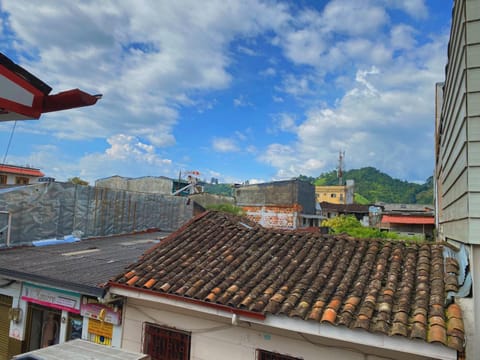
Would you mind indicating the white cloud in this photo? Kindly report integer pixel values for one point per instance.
(241, 101)
(270, 71)
(414, 8)
(383, 118)
(354, 17)
(403, 37)
(285, 122)
(296, 85)
(247, 51)
(143, 58)
(224, 145)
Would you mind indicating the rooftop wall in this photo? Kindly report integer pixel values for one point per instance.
(53, 210)
(279, 193)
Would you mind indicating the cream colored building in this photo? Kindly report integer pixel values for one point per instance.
(215, 336)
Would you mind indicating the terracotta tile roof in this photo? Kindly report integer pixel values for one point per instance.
(390, 287)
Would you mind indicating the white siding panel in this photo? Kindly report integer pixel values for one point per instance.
(473, 79)
(474, 233)
(474, 128)
(455, 147)
(474, 205)
(474, 178)
(460, 189)
(457, 230)
(473, 55)
(452, 173)
(472, 10)
(454, 98)
(473, 153)
(473, 104)
(458, 209)
(473, 32)
(458, 119)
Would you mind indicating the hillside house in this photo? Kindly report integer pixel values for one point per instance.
(225, 287)
(18, 175)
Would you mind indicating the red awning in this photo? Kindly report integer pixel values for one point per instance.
(23, 96)
(19, 170)
(68, 100)
(425, 220)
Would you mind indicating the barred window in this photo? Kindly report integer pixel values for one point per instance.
(166, 344)
(267, 355)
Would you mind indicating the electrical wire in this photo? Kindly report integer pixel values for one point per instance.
(9, 142)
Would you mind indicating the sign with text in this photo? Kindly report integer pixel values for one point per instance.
(101, 312)
(100, 328)
(54, 298)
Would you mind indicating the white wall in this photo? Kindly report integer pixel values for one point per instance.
(216, 338)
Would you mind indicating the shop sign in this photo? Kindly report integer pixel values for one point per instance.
(100, 328)
(54, 298)
(101, 312)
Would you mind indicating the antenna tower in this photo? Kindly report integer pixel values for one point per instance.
(341, 156)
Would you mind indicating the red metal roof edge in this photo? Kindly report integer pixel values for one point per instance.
(408, 219)
(246, 313)
(13, 169)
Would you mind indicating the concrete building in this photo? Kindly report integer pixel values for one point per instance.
(457, 146)
(146, 184)
(288, 204)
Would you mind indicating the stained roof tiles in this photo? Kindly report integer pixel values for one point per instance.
(389, 287)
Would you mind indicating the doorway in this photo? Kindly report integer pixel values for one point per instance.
(43, 327)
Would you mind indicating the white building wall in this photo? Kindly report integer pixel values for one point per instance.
(215, 338)
(458, 154)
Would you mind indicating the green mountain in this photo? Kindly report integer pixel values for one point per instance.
(373, 186)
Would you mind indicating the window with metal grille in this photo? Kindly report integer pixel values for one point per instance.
(166, 344)
(267, 355)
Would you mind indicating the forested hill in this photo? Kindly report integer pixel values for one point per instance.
(371, 186)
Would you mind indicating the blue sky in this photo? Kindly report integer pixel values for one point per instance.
(237, 90)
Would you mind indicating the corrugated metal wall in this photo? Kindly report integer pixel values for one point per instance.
(53, 210)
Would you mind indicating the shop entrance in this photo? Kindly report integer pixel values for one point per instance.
(5, 306)
(43, 327)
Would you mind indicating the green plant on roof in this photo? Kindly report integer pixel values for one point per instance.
(348, 224)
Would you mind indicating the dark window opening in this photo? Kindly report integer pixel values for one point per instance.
(267, 355)
(166, 344)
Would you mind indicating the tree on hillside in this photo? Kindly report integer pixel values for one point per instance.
(77, 181)
(376, 186)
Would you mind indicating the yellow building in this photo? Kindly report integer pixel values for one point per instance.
(332, 194)
(335, 194)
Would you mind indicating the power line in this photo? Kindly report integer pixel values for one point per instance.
(9, 142)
